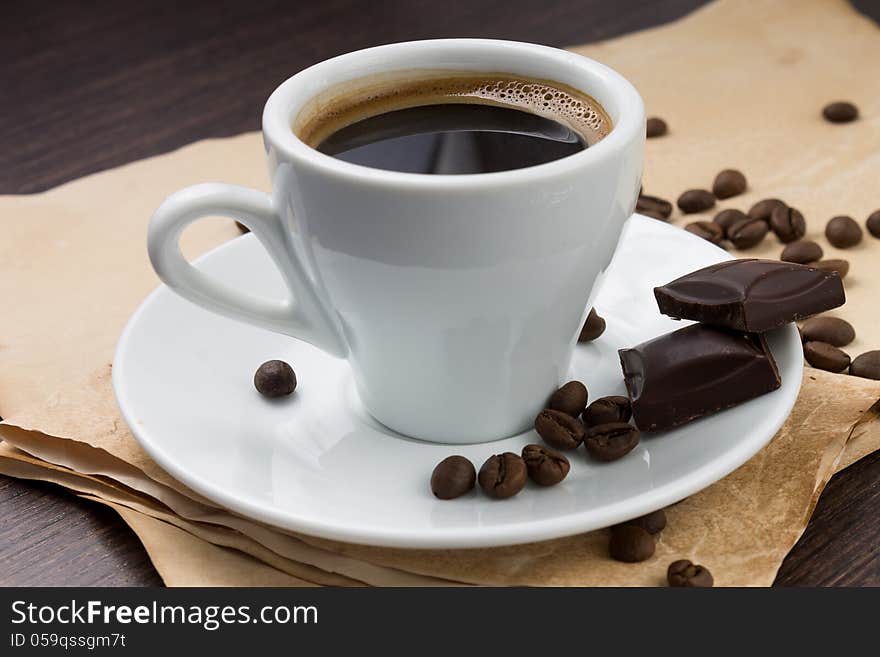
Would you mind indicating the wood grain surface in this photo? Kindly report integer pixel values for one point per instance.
(91, 84)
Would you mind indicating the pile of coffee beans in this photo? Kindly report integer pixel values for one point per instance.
(603, 427)
(502, 475)
(605, 431)
(745, 230)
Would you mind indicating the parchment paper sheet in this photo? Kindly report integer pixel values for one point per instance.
(741, 85)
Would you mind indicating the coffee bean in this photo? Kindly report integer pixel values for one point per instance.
(630, 544)
(559, 429)
(788, 224)
(801, 252)
(696, 200)
(840, 112)
(866, 365)
(241, 227)
(570, 398)
(689, 575)
(611, 441)
(608, 409)
(452, 477)
(503, 475)
(646, 204)
(825, 356)
(840, 266)
(653, 523)
(763, 209)
(843, 232)
(708, 230)
(728, 218)
(655, 127)
(748, 233)
(873, 224)
(594, 326)
(546, 467)
(653, 214)
(729, 182)
(833, 330)
(275, 378)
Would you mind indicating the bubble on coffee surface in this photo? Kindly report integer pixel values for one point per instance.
(543, 98)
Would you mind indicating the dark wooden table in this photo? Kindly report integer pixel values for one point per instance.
(88, 85)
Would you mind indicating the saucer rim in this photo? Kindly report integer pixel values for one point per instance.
(481, 536)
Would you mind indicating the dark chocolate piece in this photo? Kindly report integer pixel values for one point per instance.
(751, 295)
(695, 371)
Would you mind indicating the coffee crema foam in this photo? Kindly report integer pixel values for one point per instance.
(345, 105)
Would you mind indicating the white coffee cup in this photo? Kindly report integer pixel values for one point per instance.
(457, 299)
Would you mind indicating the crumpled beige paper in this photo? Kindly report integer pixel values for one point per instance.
(741, 85)
(743, 525)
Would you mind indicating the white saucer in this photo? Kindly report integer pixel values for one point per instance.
(318, 464)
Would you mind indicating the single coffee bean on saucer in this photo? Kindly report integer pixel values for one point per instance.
(546, 467)
(594, 326)
(764, 208)
(241, 227)
(684, 573)
(728, 218)
(840, 112)
(570, 398)
(653, 523)
(788, 224)
(452, 477)
(631, 544)
(653, 206)
(614, 408)
(824, 356)
(275, 378)
(708, 230)
(693, 372)
(750, 294)
(748, 233)
(841, 267)
(655, 127)
(559, 429)
(872, 223)
(503, 475)
(843, 232)
(802, 252)
(611, 441)
(728, 183)
(866, 365)
(833, 330)
(696, 200)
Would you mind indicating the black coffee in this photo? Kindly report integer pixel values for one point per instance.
(457, 125)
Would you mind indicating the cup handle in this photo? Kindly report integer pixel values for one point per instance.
(303, 315)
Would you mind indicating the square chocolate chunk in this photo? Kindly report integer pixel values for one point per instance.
(751, 295)
(693, 372)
